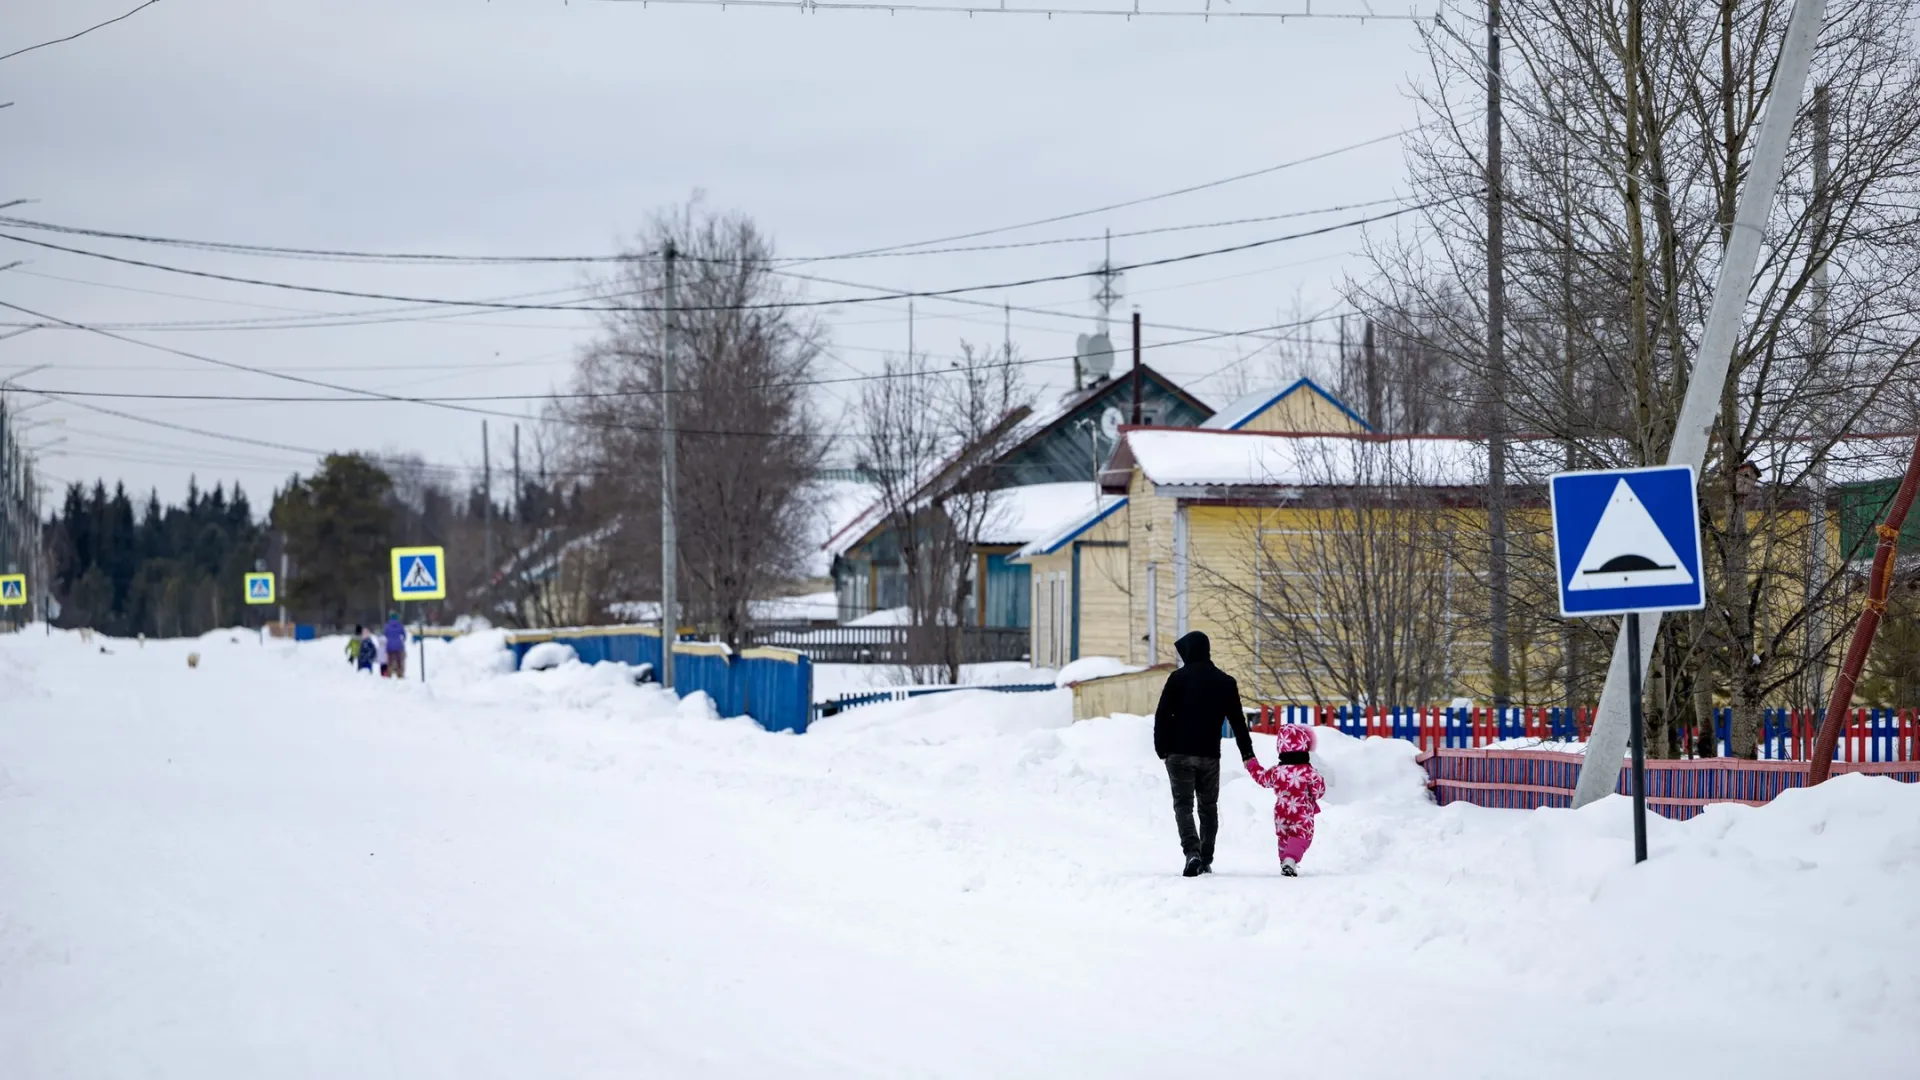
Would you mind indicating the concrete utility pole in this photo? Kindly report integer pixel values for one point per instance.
(1815, 651)
(516, 475)
(669, 471)
(1714, 356)
(1497, 583)
(486, 493)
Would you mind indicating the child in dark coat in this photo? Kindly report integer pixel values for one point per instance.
(1297, 790)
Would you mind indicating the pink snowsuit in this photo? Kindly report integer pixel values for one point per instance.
(1297, 790)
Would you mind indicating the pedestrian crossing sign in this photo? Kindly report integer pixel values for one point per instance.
(1627, 540)
(260, 589)
(13, 590)
(419, 573)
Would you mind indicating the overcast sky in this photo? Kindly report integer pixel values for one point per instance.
(543, 127)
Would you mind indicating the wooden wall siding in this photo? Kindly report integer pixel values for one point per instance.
(1104, 600)
(1150, 541)
(1302, 410)
(1047, 649)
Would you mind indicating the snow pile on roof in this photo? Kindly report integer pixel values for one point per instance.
(1094, 667)
(1020, 515)
(1226, 459)
(1072, 526)
(837, 506)
(1206, 458)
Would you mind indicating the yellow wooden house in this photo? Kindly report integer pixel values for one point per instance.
(1083, 579)
(1302, 552)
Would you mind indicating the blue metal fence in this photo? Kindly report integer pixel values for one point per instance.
(773, 686)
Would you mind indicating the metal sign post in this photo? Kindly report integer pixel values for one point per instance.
(1638, 734)
(1627, 541)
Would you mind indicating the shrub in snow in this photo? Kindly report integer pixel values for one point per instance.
(547, 655)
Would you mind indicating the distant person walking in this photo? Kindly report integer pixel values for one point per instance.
(1197, 699)
(396, 635)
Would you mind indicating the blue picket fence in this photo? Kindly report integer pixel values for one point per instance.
(844, 702)
(773, 686)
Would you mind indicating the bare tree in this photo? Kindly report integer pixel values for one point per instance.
(748, 444)
(1628, 127)
(1349, 592)
(930, 439)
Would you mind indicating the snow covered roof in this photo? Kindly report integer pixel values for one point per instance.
(937, 475)
(1087, 518)
(840, 505)
(1020, 515)
(1241, 412)
(1207, 458)
(1211, 458)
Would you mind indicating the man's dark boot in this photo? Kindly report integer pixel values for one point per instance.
(1194, 868)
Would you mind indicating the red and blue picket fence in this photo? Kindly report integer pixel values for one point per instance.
(1870, 735)
(1433, 727)
(1530, 779)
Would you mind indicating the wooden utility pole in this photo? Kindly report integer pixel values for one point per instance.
(1373, 377)
(1497, 584)
(486, 493)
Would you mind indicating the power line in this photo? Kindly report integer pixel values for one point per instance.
(904, 250)
(763, 306)
(83, 33)
(957, 237)
(462, 402)
(807, 7)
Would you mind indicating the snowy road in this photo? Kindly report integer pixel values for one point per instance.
(269, 868)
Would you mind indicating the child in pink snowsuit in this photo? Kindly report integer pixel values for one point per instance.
(1297, 790)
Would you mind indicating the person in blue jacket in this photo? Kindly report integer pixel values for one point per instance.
(396, 635)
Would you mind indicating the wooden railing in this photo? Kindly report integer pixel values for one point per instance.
(893, 644)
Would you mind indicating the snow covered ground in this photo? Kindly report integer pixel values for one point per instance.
(270, 867)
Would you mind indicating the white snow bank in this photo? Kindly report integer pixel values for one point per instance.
(1093, 667)
(272, 860)
(548, 654)
(898, 616)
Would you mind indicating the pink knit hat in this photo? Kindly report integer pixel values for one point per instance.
(1294, 737)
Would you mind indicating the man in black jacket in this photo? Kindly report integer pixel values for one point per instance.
(1186, 734)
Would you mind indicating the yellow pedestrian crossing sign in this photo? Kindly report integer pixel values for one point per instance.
(13, 590)
(419, 573)
(260, 589)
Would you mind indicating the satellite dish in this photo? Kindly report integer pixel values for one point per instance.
(1095, 357)
(1110, 424)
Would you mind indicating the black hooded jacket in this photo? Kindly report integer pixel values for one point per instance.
(1197, 697)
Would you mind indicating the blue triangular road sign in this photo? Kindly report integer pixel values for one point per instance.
(1627, 540)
